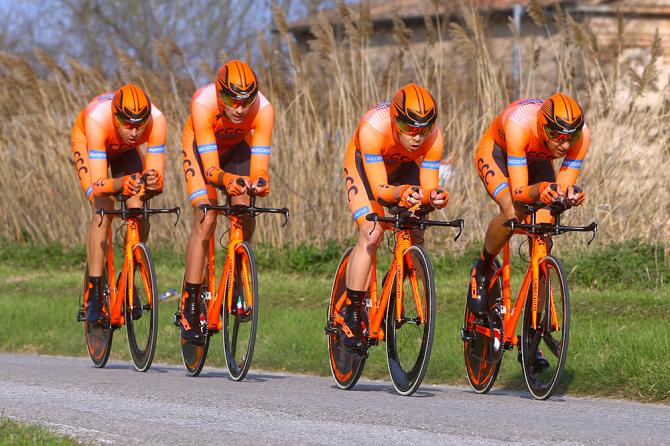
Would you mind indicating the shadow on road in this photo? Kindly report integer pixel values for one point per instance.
(251, 377)
(373, 387)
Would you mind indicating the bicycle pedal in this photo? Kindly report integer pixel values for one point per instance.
(466, 336)
(81, 314)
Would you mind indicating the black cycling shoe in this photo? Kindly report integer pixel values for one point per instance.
(136, 312)
(539, 363)
(94, 306)
(354, 330)
(479, 284)
(189, 324)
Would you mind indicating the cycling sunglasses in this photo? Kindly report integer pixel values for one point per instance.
(560, 137)
(412, 130)
(126, 124)
(234, 102)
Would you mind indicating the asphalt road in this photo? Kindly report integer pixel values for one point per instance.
(117, 405)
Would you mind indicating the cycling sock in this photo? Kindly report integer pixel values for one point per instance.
(356, 298)
(192, 288)
(485, 262)
(95, 284)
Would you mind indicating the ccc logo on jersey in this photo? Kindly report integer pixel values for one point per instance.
(230, 132)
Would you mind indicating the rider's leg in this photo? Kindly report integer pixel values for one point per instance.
(357, 283)
(196, 256)
(96, 251)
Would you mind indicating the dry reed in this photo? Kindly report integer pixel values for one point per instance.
(319, 97)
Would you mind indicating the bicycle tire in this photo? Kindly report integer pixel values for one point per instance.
(243, 319)
(194, 355)
(98, 337)
(553, 332)
(142, 331)
(481, 369)
(345, 367)
(409, 341)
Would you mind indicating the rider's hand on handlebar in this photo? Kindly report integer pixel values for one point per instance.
(410, 195)
(550, 192)
(153, 180)
(131, 184)
(576, 196)
(233, 184)
(439, 197)
(261, 185)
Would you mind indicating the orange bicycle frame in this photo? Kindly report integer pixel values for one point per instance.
(214, 306)
(511, 314)
(379, 303)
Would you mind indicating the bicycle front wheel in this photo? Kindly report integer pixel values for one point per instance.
(482, 363)
(240, 323)
(98, 336)
(142, 318)
(345, 367)
(551, 333)
(410, 323)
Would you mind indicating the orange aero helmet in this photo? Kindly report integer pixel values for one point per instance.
(560, 118)
(236, 85)
(413, 110)
(131, 107)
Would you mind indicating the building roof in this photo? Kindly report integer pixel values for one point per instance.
(383, 10)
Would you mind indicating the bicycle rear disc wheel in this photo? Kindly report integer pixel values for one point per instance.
(142, 321)
(240, 324)
(481, 368)
(409, 338)
(552, 332)
(345, 367)
(98, 337)
(194, 355)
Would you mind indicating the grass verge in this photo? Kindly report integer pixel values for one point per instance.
(19, 434)
(619, 337)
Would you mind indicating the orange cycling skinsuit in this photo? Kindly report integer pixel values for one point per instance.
(395, 148)
(108, 134)
(514, 160)
(226, 137)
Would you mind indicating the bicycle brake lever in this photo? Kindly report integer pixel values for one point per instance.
(461, 224)
(100, 212)
(373, 218)
(178, 212)
(203, 208)
(594, 231)
(285, 218)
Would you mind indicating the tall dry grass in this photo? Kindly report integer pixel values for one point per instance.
(319, 97)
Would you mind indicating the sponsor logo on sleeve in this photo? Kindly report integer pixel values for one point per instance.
(362, 211)
(575, 164)
(260, 150)
(501, 187)
(207, 148)
(516, 161)
(198, 193)
(156, 149)
(373, 158)
(427, 164)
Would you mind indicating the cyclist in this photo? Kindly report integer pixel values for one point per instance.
(392, 159)
(514, 160)
(109, 132)
(226, 138)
